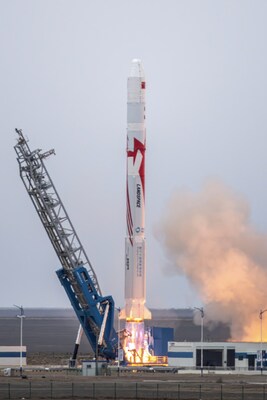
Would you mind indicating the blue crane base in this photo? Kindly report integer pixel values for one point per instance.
(91, 312)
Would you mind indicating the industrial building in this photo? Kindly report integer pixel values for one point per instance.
(219, 355)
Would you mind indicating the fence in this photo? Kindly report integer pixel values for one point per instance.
(132, 390)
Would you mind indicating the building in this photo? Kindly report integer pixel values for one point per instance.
(221, 355)
(94, 368)
(10, 356)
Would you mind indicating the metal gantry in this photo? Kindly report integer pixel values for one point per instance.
(96, 313)
(50, 209)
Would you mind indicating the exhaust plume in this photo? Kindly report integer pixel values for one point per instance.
(208, 237)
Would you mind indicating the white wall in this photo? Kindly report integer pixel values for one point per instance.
(10, 356)
(186, 356)
(177, 350)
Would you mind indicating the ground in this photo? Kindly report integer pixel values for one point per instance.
(69, 384)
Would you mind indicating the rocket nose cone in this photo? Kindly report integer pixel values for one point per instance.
(137, 70)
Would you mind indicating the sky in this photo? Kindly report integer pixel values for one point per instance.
(63, 80)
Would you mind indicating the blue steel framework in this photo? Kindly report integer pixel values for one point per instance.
(95, 312)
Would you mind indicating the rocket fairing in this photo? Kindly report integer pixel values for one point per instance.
(135, 248)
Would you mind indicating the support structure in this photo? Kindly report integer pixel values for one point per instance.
(95, 312)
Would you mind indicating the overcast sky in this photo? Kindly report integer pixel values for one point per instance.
(63, 76)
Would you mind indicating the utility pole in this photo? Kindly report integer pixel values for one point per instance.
(261, 312)
(21, 316)
(202, 336)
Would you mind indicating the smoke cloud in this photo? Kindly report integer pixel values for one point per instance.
(209, 238)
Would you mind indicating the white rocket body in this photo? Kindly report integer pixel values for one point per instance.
(135, 247)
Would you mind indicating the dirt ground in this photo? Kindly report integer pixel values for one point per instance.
(41, 380)
(69, 384)
(34, 373)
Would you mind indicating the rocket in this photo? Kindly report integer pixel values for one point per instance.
(135, 246)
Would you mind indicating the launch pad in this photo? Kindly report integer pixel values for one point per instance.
(94, 311)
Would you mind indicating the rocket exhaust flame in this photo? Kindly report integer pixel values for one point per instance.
(136, 343)
(208, 237)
